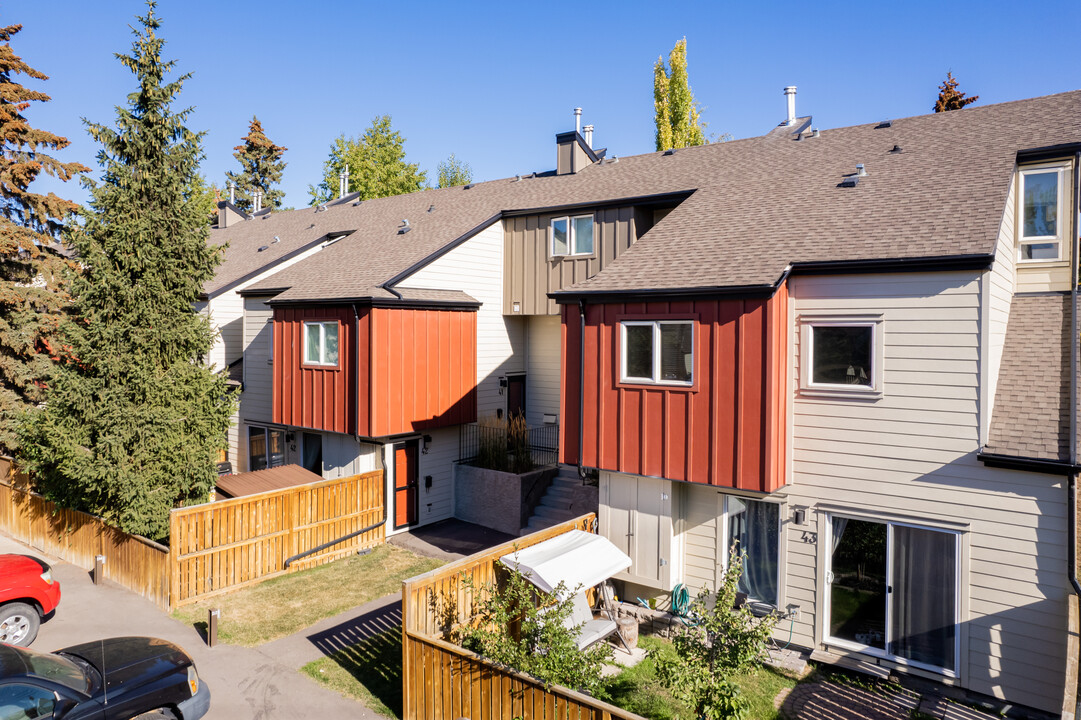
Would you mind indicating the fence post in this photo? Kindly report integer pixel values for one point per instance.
(174, 560)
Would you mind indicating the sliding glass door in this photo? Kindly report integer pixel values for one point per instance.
(893, 591)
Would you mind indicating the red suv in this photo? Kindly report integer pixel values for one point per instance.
(27, 594)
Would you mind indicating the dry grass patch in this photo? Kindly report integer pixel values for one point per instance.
(287, 604)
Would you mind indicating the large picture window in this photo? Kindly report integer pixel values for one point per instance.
(1041, 220)
(572, 235)
(321, 343)
(657, 351)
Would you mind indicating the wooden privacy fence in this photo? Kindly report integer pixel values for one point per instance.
(442, 681)
(215, 547)
(138, 564)
(226, 545)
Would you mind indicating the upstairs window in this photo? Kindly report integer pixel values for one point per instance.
(841, 355)
(1040, 217)
(657, 351)
(572, 235)
(321, 343)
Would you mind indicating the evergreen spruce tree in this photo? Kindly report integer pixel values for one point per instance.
(133, 422)
(453, 171)
(677, 117)
(32, 263)
(375, 163)
(950, 98)
(261, 167)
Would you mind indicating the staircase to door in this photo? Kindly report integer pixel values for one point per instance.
(563, 501)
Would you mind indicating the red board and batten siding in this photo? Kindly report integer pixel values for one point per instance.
(417, 371)
(424, 369)
(727, 430)
(323, 398)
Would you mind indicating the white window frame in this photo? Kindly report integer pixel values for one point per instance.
(322, 343)
(807, 385)
(656, 336)
(572, 236)
(1062, 216)
(958, 534)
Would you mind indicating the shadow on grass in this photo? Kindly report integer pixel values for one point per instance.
(370, 671)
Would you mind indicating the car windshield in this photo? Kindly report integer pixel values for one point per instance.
(58, 669)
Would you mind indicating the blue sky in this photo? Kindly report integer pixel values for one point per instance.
(493, 82)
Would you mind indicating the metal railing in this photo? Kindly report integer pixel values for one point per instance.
(510, 447)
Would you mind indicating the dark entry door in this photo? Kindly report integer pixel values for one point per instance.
(515, 395)
(405, 484)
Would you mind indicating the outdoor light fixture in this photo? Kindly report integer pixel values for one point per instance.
(799, 515)
(427, 442)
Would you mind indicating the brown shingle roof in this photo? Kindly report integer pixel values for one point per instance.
(1031, 417)
(258, 481)
(758, 205)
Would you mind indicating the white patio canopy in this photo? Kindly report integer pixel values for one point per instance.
(578, 559)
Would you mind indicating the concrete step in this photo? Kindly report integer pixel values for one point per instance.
(850, 663)
(553, 515)
(557, 496)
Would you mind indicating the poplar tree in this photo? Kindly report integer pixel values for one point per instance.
(677, 117)
(261, 168)
(375, 163)
(134, 421)
(950, 98)
(452, 172)
(32, 262)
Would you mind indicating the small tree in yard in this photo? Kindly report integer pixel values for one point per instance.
(134, 420)
(721, 643)
(513, 629)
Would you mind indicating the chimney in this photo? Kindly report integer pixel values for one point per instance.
(343, 182)
(578, 120)
(588, 134)
(574, 152)
(790, 95)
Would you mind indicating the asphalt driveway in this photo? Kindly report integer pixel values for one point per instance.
(255, 683)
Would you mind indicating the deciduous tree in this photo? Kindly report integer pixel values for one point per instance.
(453, 171)
(134, 421)
(950, 98)
(375, 163)
(32, 262)
(677, 117)
(261, 168)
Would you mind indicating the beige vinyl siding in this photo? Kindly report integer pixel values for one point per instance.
(910, 456)
(702, 528)
(476, 268)
(530, 270)
(1001, 281)
(256, 401)
(542, 370)
(343, 456)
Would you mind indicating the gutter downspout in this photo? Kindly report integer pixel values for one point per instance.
(581, 386)
(1075, 338)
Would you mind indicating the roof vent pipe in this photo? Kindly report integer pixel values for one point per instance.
(577, 120)
(257, 198)
(232, 193)
(860, 170)
(790, 95)
(588, 135)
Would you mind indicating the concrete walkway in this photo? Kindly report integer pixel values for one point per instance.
(245, 683)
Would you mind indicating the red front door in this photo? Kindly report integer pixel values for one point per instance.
(405, 484)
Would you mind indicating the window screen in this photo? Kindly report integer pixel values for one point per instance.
(559, 236)
(583, 235)
(638, 348)
(677, 352)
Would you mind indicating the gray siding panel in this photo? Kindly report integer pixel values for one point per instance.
(910, 456)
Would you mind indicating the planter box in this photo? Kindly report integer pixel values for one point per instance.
(499, 500)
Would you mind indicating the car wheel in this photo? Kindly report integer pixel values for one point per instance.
(18, 624)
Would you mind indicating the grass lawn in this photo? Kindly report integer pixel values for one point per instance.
(279, 607)
(370, 671)
(638, 690)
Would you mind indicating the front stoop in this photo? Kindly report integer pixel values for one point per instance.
(566, 499)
